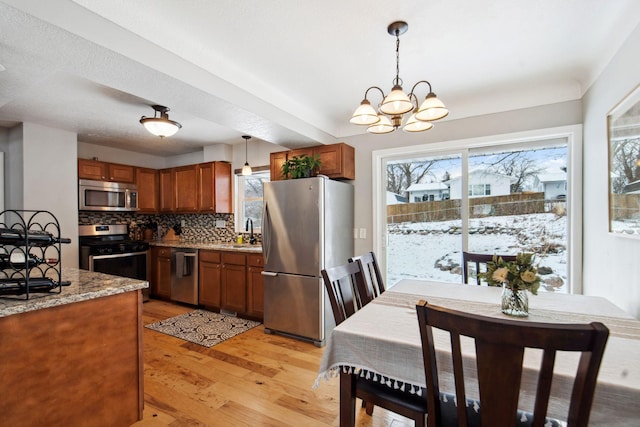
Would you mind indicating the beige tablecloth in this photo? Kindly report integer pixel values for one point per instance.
(383, 341)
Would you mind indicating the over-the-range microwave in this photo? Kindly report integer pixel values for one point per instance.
(106, 196)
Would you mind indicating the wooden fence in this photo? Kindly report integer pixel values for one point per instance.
(512, 204)
(623, 206)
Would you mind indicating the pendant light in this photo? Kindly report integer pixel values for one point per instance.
(246, 169)
(395, 105)
(160, 126)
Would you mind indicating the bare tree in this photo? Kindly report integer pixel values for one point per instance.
(625, 159)
(515, 164)
(401, 175)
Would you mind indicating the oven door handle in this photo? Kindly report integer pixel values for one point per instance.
(112, 256)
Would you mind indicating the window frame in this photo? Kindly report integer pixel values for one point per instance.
(239, 220)
(572, 134)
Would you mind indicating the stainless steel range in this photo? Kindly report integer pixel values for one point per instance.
(107, 248)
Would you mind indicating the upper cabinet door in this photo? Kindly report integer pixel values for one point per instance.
(92, 169)
(120, 173)
(214, 187)
(167, 198)
(206, 188)
(337, 160)
(186, 188)
(222, 184)
(276, 160)
(148, 194)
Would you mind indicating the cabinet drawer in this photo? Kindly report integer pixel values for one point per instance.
(234, 258)
(209, 256)
(164, 252)
(255, 260)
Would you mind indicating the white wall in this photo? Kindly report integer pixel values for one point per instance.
(42, 175)
(611, 262)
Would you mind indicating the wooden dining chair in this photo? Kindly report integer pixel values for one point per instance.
(499, 347)
(342, 283)
(478, 260)
(373, 283)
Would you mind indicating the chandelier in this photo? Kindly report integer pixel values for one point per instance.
(397, 103)
(160, 126)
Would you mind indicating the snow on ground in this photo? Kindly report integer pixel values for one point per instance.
(433, 250)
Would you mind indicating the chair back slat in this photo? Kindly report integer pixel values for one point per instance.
(478, 260)
(500, 345)
(373, 285)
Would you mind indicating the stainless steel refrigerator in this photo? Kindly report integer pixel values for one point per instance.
(307, 226)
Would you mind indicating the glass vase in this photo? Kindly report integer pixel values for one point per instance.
(514, 303)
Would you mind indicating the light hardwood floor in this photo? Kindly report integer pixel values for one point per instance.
(254, 379)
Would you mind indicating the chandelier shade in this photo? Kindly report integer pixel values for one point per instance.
(365, 114)
(397, 102)
(160, 125)
(393, 106)
(383, 126)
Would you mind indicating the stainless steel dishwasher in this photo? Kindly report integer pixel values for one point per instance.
(184, 275)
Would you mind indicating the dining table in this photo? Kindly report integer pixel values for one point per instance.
(382, 342)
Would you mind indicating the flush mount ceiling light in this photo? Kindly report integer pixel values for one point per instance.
(397, 103)
(160, 125)
(246, 169)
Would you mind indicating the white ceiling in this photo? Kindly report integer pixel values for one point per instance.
(285, 71)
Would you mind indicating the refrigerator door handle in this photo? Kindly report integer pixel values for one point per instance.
(266, 231)
(269, 273)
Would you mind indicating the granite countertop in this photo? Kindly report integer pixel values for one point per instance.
(85, 285)
(218, 246)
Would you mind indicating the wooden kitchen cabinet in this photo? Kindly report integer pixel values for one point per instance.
(234, 278)
(337, 160)
(185, 189)
(166, 193)
(103, 171)
(276, 160)
(255, 285)
(92, 169)
(148, 190)
(161, 260)
(210, 278)
(214, 187)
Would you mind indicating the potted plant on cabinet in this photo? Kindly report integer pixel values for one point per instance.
(301, 166)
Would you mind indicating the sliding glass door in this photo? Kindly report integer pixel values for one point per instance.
(497, 197)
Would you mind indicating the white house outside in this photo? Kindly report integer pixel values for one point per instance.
(428, 192)
(553, 185)
(482, 183)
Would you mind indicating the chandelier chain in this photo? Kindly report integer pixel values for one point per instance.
(397, 81)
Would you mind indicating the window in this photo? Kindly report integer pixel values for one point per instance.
(249, 191)
(479, 190)
(503, 210)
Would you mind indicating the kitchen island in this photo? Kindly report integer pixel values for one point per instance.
(75, 357)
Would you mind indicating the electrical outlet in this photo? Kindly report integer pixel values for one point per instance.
(363, 233)
(182, 223)
(355, 233)
(220, 223)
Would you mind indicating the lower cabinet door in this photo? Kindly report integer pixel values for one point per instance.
(210, 281)
(234, 290)
(255, 291)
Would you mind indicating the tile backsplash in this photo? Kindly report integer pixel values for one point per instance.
(197, 227)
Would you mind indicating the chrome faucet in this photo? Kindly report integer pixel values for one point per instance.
(252, 239)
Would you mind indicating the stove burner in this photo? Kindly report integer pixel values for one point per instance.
(109, 240)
